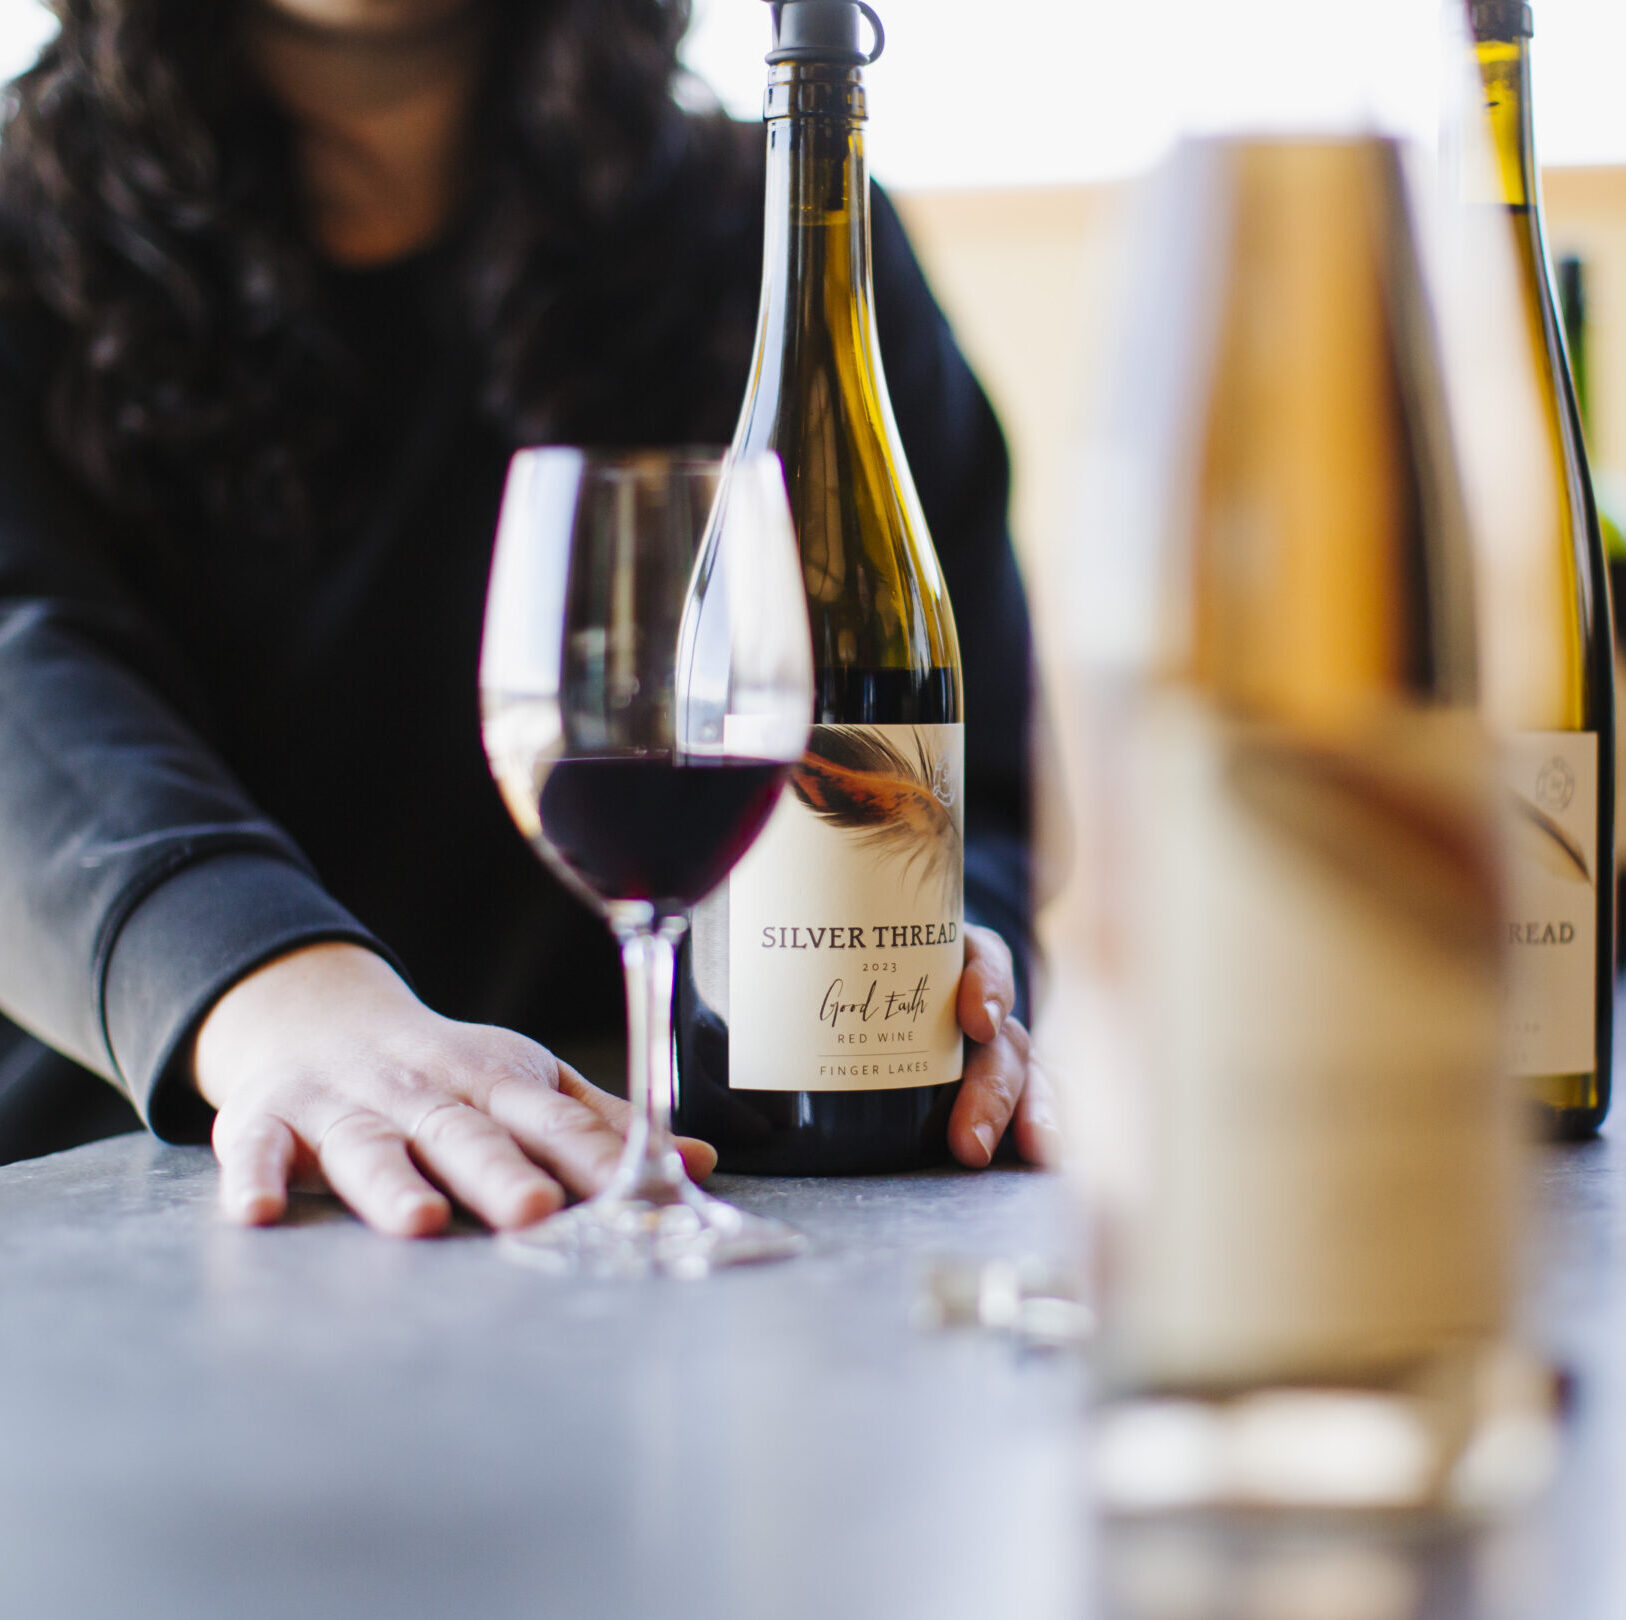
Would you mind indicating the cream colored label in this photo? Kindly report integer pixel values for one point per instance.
(845, 919)
(1328, 1141)
(1552, 903)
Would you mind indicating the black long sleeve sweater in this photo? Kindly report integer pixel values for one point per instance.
(207, 761)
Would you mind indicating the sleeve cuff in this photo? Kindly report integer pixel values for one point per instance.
(187, 942)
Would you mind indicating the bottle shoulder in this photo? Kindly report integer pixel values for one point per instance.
(875, 589)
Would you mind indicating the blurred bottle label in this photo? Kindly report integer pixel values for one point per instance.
(845, 918)
(1552, 781)
(1313, 941)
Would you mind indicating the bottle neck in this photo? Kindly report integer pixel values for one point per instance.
(1504, 70)
(816, 275)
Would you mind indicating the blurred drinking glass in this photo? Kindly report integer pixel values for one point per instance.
(1307, 1230)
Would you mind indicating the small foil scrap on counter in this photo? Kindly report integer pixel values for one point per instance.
(1033, 1302)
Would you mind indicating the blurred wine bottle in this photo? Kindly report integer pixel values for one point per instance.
(1307, 1288)
(1572, 300)
(1560, 728)
(1575, 311)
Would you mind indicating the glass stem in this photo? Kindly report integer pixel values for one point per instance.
(651, 1168)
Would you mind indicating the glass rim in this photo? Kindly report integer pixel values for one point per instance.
(641, 461)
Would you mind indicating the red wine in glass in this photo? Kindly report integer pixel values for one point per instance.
(650, 827)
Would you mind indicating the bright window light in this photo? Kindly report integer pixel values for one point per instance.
(1047, 92)
(24, 27)
(1054, 92)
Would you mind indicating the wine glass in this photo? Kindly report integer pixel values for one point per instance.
(646, 684)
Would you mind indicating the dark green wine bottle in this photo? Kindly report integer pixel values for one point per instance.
(1560, 760)
(817, 1025)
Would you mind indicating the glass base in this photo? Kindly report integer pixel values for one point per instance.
(687, 1234)
(1467, 1434)
(1274, 1567)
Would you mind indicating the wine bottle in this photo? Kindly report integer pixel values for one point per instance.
(1561, 745)
(1575, 310)
(1570, 282)
(818, 1032)
(1572, 302)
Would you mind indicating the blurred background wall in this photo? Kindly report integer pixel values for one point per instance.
(1027, 277)
(1011, 134)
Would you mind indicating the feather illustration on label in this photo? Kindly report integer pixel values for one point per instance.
(1537, 837)
(901, 806)
(1552, 781)
(845, 918)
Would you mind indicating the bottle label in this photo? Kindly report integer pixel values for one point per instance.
(1552, 928)
(845, 918)
(1324, 1176)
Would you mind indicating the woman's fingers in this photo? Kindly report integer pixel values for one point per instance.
(997, 1067)
(1003, 1083)
(699, 1158)
(987, 984)
(256, 1160)
(1038, 1136)
(366, 1163)
(470, 1155)
(574, 1141)
(995, 1074)
(324, 1061)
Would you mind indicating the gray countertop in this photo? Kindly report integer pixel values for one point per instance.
(312, 1421)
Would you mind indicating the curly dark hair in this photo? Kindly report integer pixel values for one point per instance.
(149, 200)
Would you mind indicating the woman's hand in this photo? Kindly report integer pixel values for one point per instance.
(1003, 1080)
(324, 1063)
